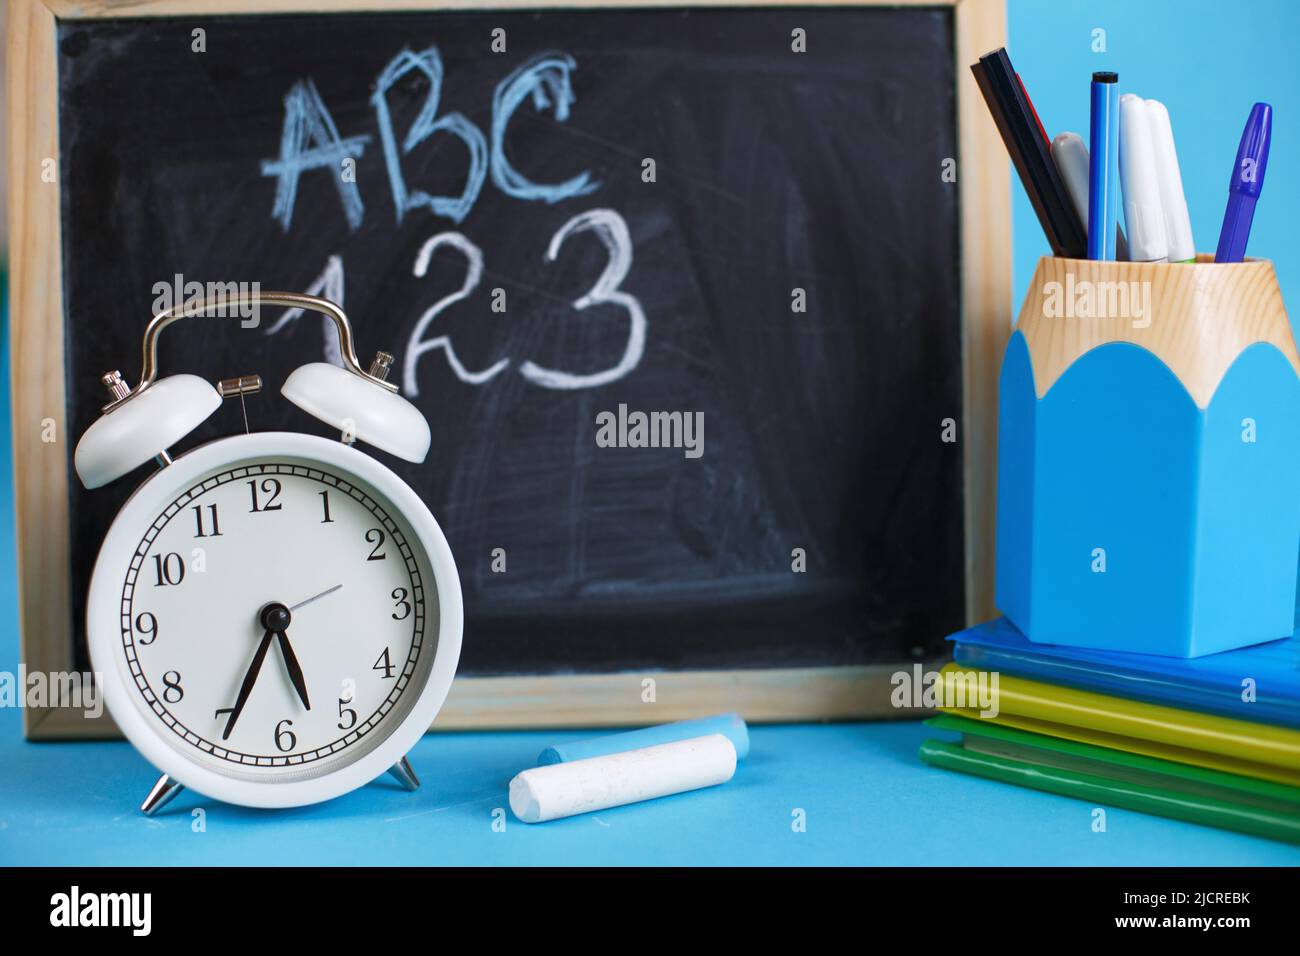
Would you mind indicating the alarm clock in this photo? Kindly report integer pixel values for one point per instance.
(275, 617)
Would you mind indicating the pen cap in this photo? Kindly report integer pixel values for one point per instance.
(1252, 153)
(1178, 224)
(1137, 172)
(1071, 158)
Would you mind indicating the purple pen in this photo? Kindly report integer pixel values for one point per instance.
(1247, 181)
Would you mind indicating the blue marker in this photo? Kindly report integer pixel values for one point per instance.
(1247, 181)
(730, 726)
(1103, 166)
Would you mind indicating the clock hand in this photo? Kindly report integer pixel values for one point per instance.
(246, 688)
(295, 671)
(276, 618)
(315, 597)
(290, 659)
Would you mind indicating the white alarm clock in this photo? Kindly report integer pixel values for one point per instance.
(275, 617)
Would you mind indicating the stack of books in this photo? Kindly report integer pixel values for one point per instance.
(1213, 740)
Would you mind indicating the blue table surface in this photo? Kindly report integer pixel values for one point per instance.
(866, 799)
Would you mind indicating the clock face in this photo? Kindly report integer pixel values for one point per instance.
(277, 617)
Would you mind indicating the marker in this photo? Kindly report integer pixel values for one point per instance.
(1178, 225)
(1103, 170)
(1042, 130)
(1247, 181)
(1137, 172)
(598, 783)
(730, 726)
(1071, 157)
(1031, 153)
(1070, 154)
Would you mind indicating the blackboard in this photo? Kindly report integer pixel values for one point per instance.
(795, 251)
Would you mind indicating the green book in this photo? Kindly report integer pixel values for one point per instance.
(1117, 778)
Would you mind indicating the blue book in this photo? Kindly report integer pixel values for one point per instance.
(1214, 684)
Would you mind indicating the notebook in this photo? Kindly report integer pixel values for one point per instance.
(1213, 683)
(1115, 778)
(1263, 751)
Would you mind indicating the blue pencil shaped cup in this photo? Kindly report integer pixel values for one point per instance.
(1149, 458)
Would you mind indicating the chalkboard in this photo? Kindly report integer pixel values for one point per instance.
(556, 220)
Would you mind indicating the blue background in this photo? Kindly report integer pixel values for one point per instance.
(867, 797)
(1208, 61)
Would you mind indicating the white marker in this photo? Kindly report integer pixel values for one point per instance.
(1137, 174)
(1178, 225)
(597, 783)
(1070, 155)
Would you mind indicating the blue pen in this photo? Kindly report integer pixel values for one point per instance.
(1247, 181)
(1103, 166)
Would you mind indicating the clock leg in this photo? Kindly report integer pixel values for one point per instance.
(162, 794)
(404, 775)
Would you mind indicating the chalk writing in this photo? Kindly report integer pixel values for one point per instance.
(426, 124)
(417, 346)
(310, 140)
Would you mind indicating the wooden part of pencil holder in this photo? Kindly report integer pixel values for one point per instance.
(1202, 315)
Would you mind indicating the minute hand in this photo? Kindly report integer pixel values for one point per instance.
(246, 687)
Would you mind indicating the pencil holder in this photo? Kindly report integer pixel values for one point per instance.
(1149, 458)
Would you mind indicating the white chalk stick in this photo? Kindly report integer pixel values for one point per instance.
(597, 783)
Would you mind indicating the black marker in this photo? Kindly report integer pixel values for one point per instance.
(1031, 154)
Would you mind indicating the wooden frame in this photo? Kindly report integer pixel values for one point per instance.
(37, 382)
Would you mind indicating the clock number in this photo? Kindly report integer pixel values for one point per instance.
(325, 504)
(348, 713)
(384, 664)
(270, 486)
(151, 630)
(283, 733)
(170, 570)
(199, 531)
(376, 537)
(399, 595)
(173, 693)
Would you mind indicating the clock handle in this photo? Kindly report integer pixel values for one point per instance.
(200, 306)
(143, 422)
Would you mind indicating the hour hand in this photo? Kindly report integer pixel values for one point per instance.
(295, 670)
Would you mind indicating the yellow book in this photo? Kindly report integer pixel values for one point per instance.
(1263, 751)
